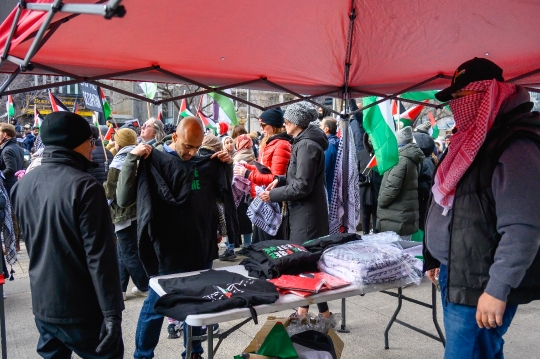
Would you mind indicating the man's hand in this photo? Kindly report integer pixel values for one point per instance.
(239, 171)
(265, 196)
(142, 150)
(272, 185)
(110, 331)
(223, 156)
(433, 275)
(489, 312)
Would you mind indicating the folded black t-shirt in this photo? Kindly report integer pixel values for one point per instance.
(321, 243)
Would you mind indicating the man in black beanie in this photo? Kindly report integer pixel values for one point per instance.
(74, 277)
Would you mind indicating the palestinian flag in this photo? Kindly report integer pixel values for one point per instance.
(408, 117)
(38, 119)
(9, 107)
(106, 108)
(379, 125)
(56, 104)
(184, 111)
(160, 116)
(372, 163)
(419, 95)
(224, 110)
(434, 130)
(207, 121)
(108, 135)
(395, 111)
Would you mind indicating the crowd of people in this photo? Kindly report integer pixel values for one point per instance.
(160, 201)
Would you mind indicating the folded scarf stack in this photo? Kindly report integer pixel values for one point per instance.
(371, 264)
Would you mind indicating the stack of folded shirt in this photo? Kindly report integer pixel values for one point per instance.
(370, 264)
(332, 240)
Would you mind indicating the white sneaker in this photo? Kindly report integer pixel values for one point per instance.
(139, 293)
(124, 295)
(223, 245)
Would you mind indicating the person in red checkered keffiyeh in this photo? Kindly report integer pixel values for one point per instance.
(483, 225)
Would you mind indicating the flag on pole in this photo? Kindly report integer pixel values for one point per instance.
(410, 115)
(184, 111)
(160, 116)
(395, 111)
(225, 111)
(379, 125)
(108, 135)
(38, 119)
(106, 107)
(149, 88)
(372, 163)
(56, 104)
(207, 121)
(434, 130)
(9, 107)
(419, 95)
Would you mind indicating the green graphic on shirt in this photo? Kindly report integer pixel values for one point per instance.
(195, 185)
(285, 250)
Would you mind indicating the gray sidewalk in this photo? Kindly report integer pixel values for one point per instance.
(366, 318)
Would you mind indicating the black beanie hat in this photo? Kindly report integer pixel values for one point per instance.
(64, 129)
(273, 117)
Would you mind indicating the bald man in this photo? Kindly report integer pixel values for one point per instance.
(175, 196)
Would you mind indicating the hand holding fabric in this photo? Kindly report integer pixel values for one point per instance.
(239, 171)
(142, 150)
(110, 331)
(223, 156)
(272, 185)
(265, 196)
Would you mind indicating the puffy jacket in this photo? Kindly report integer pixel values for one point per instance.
(69, 236)
(275, 155)
(98, 156)
(398, 198)
(119, 214)
(305, 190)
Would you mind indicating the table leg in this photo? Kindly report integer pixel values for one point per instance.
(343, 328)
(210, 331)
(434, 314)
(188, 340)
(393, 319)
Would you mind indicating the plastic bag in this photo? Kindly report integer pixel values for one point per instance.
(312, 322)
(373, 266)
(382, 237)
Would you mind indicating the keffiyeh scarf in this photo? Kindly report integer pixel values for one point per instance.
(474, 116)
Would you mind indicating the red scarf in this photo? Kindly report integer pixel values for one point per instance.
(474, 116)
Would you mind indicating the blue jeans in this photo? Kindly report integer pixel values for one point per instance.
(150, 323)
(128, 259)
(247, 242)
(464, 339)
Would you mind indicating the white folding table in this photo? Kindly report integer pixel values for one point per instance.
(284, 302)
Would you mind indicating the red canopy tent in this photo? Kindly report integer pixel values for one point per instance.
(302, 47)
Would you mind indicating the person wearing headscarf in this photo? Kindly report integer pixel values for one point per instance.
(228, 145)
(483, 224)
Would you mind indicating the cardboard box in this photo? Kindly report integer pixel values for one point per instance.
(271, 321)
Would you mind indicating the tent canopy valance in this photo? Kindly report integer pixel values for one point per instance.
(302, 47)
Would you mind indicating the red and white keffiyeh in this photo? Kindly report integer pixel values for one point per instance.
(474, 116)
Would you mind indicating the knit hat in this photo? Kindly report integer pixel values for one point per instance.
(212, 142)
(272, 117)
(223, 128)
(404, 136)
(301, 114)
(64, 129)
(125, 137)
(424, 127)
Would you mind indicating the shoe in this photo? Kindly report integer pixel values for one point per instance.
(139, 293)
(124, 295)
(227, 256)
(174, 332)
(242, 252)
(223, 245)
(196, 356)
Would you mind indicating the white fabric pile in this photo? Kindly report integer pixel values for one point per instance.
(371, 264)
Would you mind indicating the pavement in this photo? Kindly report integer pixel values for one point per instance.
(366, 319)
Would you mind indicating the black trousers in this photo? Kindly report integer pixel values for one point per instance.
(369, 217)
(58, 341)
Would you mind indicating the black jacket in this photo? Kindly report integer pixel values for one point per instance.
(69, 236)
(305, 191)
(11, 161)
(474, 235)
(370, 180)
(98, 156)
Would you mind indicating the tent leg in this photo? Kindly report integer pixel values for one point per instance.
(9, 80)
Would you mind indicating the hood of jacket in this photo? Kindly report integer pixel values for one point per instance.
(413, 152)
(279, 136)
(521, 97)
(314, 134)
(63, 155)
(425, 142)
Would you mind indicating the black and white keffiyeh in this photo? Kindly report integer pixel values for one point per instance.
(8, 233)
(241, 187)
(265, 215)
(337, 207)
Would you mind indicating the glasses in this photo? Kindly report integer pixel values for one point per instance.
(92, 141)
(263, 125)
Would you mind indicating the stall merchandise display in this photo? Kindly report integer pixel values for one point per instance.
(322, 243)
(371, 264)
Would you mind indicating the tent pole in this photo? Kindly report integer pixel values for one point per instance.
(248, 117)
(9, 80)
(107, 11)
(11, 33)
(302, 99)
(390, 97)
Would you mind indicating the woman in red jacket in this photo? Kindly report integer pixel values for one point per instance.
(275, 152)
